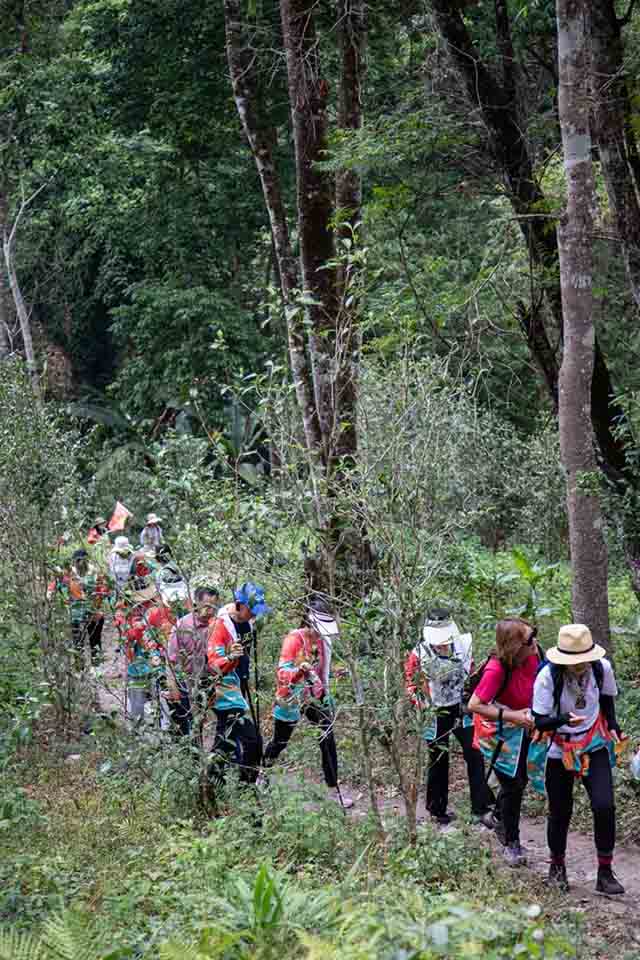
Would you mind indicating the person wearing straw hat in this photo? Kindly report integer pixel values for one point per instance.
(121, 562)
(435, 673)
(302, 688)
(98, 530)
(574, 704)
(151, 536)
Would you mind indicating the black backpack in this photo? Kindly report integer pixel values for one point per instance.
(474, 678)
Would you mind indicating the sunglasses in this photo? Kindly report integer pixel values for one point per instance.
(531, 638)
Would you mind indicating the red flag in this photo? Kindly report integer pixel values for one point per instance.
(119, 518)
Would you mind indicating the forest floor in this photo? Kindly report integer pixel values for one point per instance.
(609, 919)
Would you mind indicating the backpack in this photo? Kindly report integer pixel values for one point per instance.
(474, 678)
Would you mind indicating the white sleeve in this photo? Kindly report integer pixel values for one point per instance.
(464, 644)
(609, 685)
(543, 693)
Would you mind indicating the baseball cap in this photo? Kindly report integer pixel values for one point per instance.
(252, 596)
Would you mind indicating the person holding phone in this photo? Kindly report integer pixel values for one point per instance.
(574, 700)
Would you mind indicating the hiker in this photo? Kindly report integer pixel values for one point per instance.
(132, 622)
(121, 562)
(187, 667)
(503, 722)
(151, 536)
(83, 591)
(236, 730)
(574, 706)
(435, 674)
(302, 679)
(98, 530)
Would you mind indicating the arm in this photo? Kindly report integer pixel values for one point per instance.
(219, 651)
(608, 707)
(545, 723)
(414, 681)
(520, 718)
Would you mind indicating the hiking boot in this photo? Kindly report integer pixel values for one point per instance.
(558, 877)
(607, 883)
(443, 819)
(514, 855)
(262, 781)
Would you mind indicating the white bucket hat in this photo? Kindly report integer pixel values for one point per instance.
(575, 645)
(152, 518)
(122, 545)
(439, 628)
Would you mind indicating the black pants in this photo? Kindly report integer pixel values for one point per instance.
(282, 734)
(598, 783)
(236, 739)
(509, 802)
(182, 710)
(91, 629)
(449, 720)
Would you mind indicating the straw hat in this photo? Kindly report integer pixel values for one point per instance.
(575, 645)
(100, 522)
(152, 518)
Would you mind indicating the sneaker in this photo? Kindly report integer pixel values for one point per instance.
(607, 883)
(514, 855)
(558, 877)
(343, 799)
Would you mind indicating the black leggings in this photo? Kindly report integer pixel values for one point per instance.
(236, 740)
(509, 801)
(92, 629)
(598, 783)
(282, 731)
(449, 720)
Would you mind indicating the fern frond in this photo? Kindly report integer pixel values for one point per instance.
(19, 946)
(72, 936)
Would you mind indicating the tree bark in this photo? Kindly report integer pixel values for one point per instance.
(240, 58)
(614, 134)
(352, 35)
(588, 548)
(308, 97)
(23, 314)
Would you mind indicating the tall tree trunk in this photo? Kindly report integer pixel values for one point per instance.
(5, 310)
(588, 548)
(241, 60)
(352, 29)
(308, 99)
(24, 317)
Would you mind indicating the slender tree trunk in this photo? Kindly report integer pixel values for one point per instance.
(5, 310)
(352, 33)
(588, 548)
(241, 57)
(22, 312)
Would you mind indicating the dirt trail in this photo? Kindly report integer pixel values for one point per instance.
(581, 860)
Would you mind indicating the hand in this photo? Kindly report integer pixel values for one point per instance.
(521, 718)
(172, 694)
(236, 650)
(305, 667)
(575, 720)
(615, 736)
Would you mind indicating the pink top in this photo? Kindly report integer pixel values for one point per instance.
(518, 694)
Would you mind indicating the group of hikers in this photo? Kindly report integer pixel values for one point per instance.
(544, 718)
(191, 655)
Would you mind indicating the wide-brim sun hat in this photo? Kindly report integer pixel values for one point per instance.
(323, 623)
(575, 645)
(439, 628)
(142, 595)
(152, 518)
(100, 521)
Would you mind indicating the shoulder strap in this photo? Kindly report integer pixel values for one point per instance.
(598, 672)
(557, 675)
